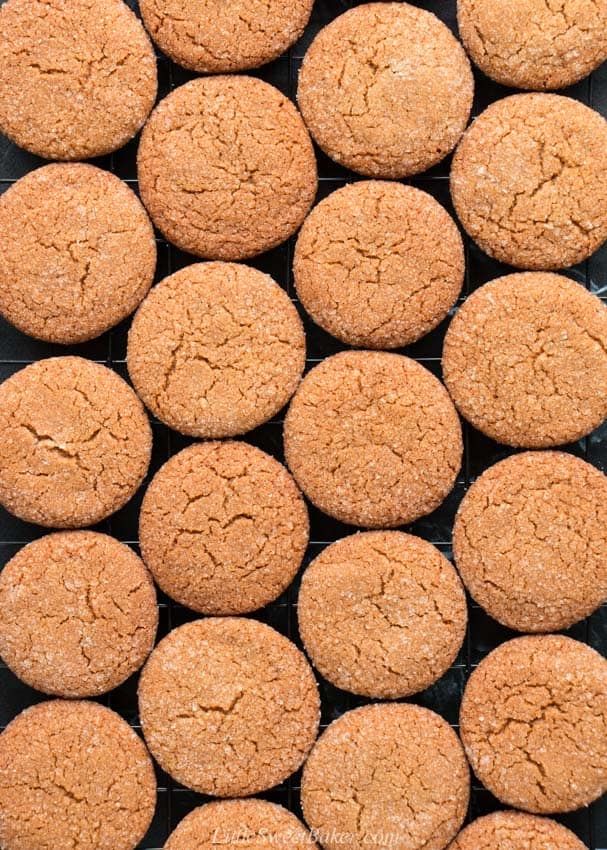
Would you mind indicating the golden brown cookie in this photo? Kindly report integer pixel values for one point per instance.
(529, 181)
(373, 439)
(75, 442)
(530, 541)
(390, 775)
(525, 360)
(77, 252)
(212, 37)
(532, 44)
(386, 89)
(77, 78)
(516, 831)
(382, 614)
(226, 167)
(223, 528)
(254, 824)
(533, 721)
(378, 264)
(216, 349)
(73, 774)
(229, 707)
(78, 614)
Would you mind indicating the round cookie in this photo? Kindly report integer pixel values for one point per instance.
(256, 823)
(373, 439)
(525, 360)
(396, 772)
(531, 44)
(229, 707)
(216, 349)
(223, 528)
(211, 38)
(226, 167)
(530, 541)
(378, 264)
(533, 721)
(77, 252)
(75, 442)
(516, 831)
(77, 79)
(73, 774)
(529, 181)
(386, 89)
(382, 614)
(78, 614)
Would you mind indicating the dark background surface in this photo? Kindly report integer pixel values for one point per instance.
(483, 634)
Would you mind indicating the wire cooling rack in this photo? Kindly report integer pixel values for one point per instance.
(483, 634)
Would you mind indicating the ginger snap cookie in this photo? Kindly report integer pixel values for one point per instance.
(533, 721)
(531, 44)
(387, 774)
(229, 707)
(378, 264)
(77, 78)
(373, 439)
(382, 614)
(525, 360)
(226, 167)
(516, 831)
(216, 349)
(529, 181)
(73, 774)
(386, 89)
(242, 823)
(211, 38)
(75, 442)
(77, 252)
(530, 541)
(223, 528)
(78, 614)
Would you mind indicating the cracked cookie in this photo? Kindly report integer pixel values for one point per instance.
(529, 181)
(73, 774)
(212, 37)
(77, 77)
(381, 614)
(226, 167)
(525, 360)
(530, 541)
(386, 89)
(75, 442)
(77, 252)
(229, 707)
(223, 528)
(78, 614)
(254, 824)
(373, 439)
(389, 775)
(378, 264)
(516, 831)
(533, 721)
(533, 44)
(216, 349)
